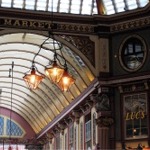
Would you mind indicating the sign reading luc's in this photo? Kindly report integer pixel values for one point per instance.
(135, 115)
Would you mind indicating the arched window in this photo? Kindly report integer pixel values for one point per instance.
(7, 127)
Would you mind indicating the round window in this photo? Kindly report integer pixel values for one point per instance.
(132, 53)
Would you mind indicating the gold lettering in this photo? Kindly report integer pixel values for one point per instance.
(142, 114)
(132, 115)
(135, 115)
(33, 24)
(24, 23)
(128, 116)
(41, 24)
(17, 23)
(7, 22)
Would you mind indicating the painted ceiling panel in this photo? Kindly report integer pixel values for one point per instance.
(40, 106)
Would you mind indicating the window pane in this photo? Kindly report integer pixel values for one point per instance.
(18, 4)
(6, 3)
(87, 7)
(64, 6)
(143, 3)
(29, 4)
(54, 7)
(135, 114)
(41, 5)
(75, 7)
(132, 4)
(120, 5)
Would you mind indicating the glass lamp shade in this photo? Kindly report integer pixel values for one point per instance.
(33, 79)
(66, 81)
(54, 72)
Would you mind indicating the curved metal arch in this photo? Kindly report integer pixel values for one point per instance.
(44, 36)
(25, 116)
(43, 92)
(38, 64)
(31, 104)
(39, 89)
(23, 109)
(46, 48)
(26, 94)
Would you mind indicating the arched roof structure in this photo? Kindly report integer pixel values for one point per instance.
(41, 106)
(20, 40)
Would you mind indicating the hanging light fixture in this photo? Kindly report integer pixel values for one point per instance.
(66, 81)
(33, 78)
(53, 71)
(59, 73)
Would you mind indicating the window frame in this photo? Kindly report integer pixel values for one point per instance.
(136, 116)
(122, 49)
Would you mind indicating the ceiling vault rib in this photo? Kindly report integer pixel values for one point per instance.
(30, 96)
(23, 115)
(23, 108)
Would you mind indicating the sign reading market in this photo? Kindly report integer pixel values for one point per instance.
(28, 24)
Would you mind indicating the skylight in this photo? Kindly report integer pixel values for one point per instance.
(83, 7)
(116, 6)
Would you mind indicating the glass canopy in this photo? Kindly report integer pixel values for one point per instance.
(83, 7)
(37, 107)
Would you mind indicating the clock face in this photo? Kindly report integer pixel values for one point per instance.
(132, 55)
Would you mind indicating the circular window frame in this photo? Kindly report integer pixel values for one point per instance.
(121, 49)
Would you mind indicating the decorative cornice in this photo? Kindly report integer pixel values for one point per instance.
(131, 24)
(84, 45)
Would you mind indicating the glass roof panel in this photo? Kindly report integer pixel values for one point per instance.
(75, 7)
(6, 3)
(84, 7)
(120, 5)
(143, 3)
(87, 7)
(29, 4)
(18, 4)
(132, 4)
(64, 6)
(41, 5)
(55, 5)
(115, 6)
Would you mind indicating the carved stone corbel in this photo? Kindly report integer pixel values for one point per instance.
(50, 137)
(77, 115)
(61, 127)
(104, 121)
(102, 102)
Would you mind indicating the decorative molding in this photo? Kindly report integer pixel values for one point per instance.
(133, 87)
(104, 121)
(84, 45)
(78, 28)
(77, 115)
(129, 25)
(61, 126)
